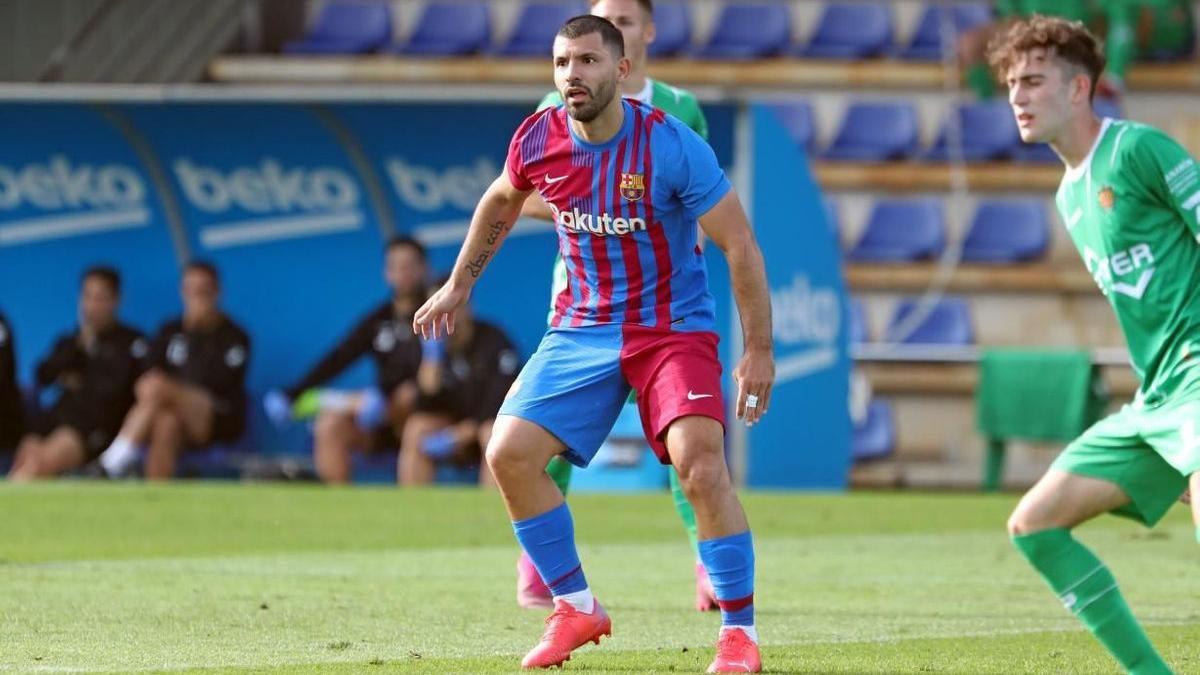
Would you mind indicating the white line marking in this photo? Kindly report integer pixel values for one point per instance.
(803, 364)
(44, 228)
(246, 232)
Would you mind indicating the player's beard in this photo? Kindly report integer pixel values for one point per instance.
(600, 99)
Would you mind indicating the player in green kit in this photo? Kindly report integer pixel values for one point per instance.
(635, 20)
(1130, 200)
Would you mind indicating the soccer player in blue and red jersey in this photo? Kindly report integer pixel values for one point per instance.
(627, 185)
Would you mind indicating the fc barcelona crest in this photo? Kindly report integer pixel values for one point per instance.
(633, 186)
(1107, 197)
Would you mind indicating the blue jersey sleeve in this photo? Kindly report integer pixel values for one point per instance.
(700, 181)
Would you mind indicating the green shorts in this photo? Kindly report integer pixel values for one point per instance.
(1148, 452)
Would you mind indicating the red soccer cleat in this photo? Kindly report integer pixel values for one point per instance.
(531, 590)
(736, 653)
(567, 629)
(706, 598)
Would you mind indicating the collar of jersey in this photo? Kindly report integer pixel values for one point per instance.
(1078, 172)
(626, 125)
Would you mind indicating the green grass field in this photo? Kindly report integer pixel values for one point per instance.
(125, 577)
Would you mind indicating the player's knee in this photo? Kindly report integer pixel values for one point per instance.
(506, 459)
(703, 476)
(151, 388)
(1022, 521)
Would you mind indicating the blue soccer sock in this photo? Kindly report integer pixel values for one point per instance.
(549, 540)
(730, 565)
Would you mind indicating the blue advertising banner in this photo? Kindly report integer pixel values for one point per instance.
(805, 440)
(269, 194)
(293, 204)
(74, 193)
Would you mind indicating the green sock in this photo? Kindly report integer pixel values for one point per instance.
(686, 513)
(560, 472)
(981, 80)
(1087, 588)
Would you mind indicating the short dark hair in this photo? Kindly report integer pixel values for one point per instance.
(405, 241)
(108, 275)
(586, 24)
(646, 5)
(205, 267)
(1070, 41)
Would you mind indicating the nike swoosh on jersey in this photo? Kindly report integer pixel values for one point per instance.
(1073, 218)
(552, 181)
(694, 397)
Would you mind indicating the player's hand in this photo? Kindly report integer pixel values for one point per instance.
(755, 375)
(435, 318)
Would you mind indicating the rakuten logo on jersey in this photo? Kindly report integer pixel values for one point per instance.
(297, 201)
(602, 225)
(427, 189)
(265, 188)
(75, 198)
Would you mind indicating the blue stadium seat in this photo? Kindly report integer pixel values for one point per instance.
(536, 26)
(988, 133)
(876, 132)
(1007, 232)
(1034, 153)
(347, 27)
(450, 29)
(749, 30)
(902, 231)
(672, 29)
(947, 323)
(797, 117)
(926, 41)
(1107, 107)
(875, 436)
(851, 30)
(857, 327)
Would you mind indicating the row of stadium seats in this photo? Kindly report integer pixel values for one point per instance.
(948, 322)
(888, 130)
(744, 30)
(911, 230)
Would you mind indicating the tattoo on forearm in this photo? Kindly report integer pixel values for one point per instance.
(496, 230)
(475, 267)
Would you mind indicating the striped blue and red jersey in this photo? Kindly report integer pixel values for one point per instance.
(626, 215)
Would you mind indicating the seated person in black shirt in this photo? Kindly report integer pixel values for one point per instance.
(194, 393)
(11, 423)
(371, 419)
(94, 366)
(462, 381)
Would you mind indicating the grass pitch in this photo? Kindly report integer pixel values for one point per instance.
(202, 577)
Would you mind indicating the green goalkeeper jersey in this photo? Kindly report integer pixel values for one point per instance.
(674, 101)
(1132, 209)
